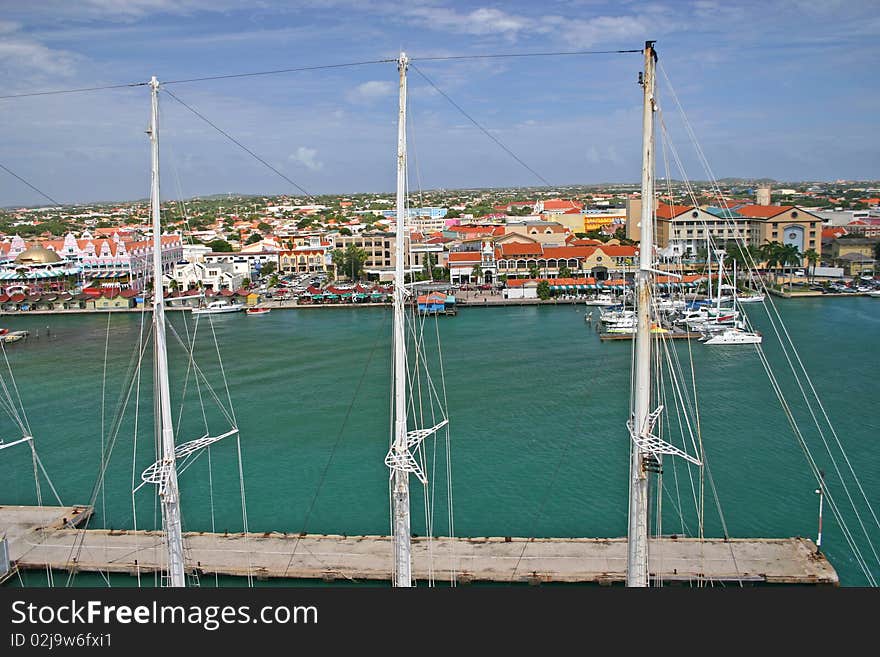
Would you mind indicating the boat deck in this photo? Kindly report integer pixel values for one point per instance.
(41, 538)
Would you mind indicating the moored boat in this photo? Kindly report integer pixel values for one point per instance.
(216, 307)
(735, 336)
(257, 311)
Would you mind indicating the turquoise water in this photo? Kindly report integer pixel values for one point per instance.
(537, 407)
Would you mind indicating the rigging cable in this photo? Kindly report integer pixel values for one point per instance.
(38, 191)
(775, 324)
(317, 68)
(239, 144)
(480, 127)
(782, 324)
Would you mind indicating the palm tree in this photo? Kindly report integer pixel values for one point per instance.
(771, 253)
(564, 272)
(338, 258)
(534, 270)
(812, 257)
(790, 256)
(477, 273)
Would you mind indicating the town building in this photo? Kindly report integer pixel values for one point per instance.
(246, 265)
(109, 262)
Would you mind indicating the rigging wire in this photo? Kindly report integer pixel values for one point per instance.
(480, 127)
(30, 94)
(240, 145)
(38, 191)
(560, 53)
(318, 67)
(777, 324)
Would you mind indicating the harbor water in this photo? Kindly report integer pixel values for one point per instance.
(537, 407)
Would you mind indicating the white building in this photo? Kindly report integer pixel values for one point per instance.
(247, 265)
(216, 276)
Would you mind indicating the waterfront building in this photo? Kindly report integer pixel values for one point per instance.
(854, 254)
(683, 230)
(246, 265)
(108, 262)
(520, 260)
(311, 254)
(381, 251)
(787, 224)
(214, 276)
(462, 263)
(38, 269)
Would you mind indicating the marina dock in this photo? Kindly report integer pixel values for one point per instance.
(48, 537)
(671, 335)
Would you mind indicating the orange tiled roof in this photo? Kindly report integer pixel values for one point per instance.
(763, 211)
(665, 211)
(465, 256)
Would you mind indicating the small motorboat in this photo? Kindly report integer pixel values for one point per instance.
(257, 311)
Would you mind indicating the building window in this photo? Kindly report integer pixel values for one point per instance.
(794, 215)
(695, 214)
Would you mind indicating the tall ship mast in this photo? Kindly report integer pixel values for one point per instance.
(400, 449)
(167, 470)
(647, 449)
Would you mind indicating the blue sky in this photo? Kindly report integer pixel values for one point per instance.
(785, 89)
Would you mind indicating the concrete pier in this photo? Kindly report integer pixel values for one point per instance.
(41, 538)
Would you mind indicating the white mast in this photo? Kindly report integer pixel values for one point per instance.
(400, 484)
(164, 426)
(637, 537)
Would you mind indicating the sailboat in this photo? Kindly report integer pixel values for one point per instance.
(736, 334)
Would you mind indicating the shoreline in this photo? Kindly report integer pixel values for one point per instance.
(486, 302)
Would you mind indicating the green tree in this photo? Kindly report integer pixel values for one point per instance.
(564, 272)
(428, 266)
(477, 272)
(791, 258)
(544, 290)
(173, 285)
(245, 282)
(534, 271)
(263, 227)
(253, 238)
(345, 231)
(771, 253)
(812, 258)
(350, 261)
(268, 269)
(273, 280)
(220, 246)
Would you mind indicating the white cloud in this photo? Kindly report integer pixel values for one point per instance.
(25, 57)
(308, 158)
(370, 91)
(480, 21)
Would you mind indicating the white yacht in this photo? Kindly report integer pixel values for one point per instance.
(735, 336)
(216, 307)
(601, 300)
